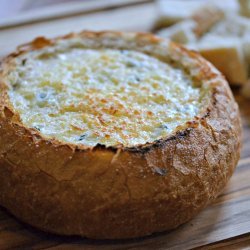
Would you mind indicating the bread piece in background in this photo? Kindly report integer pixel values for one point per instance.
(189, 30)
(226, 55)
(181, 32)
(173, 11)
(233, 26)
(206, 17)
(245, 8)
(226, 44)
(215, 29)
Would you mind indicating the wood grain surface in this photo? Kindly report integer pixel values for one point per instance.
(225, 224)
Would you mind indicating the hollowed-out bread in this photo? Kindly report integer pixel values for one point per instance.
(113, 135)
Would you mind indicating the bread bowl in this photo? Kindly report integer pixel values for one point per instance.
(228, 56)
(231, 55)
(170, 153)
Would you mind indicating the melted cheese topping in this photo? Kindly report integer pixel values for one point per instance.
(111, 97)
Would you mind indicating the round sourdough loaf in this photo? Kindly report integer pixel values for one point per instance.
(112, 135)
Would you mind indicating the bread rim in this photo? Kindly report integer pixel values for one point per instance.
(119, 192)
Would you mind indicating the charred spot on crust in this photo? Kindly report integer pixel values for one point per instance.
(181, 134)
(141, 150)
(159, 143)
(104, 147)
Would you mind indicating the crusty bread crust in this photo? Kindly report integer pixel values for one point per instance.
(119, 192)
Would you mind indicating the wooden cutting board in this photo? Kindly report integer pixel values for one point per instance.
(225, 224)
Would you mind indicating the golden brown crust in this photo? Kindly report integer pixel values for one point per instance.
(119, 192)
